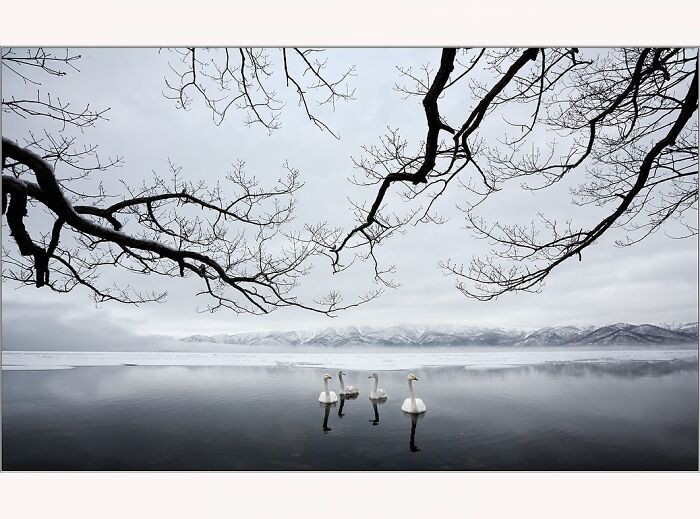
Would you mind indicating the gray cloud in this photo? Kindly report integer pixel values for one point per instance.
(65, 326)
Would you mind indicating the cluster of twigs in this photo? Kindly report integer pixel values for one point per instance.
(243, 79)
(624, 120)
(234, 237)
(627, 119)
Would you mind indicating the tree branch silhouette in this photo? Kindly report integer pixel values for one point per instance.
(624, 119)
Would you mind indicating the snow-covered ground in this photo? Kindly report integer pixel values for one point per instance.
(379, 361)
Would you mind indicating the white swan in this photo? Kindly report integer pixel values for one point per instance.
(376, 393)
(347, 390)
(326, 396)
(413, 405)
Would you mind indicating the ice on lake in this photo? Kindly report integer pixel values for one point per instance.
(380, 360)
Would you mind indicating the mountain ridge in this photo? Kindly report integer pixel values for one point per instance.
(454, 335)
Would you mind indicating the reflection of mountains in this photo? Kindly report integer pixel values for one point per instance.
(624, 369)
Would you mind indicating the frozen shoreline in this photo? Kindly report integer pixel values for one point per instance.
(380, 361)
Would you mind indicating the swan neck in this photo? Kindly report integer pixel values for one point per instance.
(410, 389)
(376, 384)
(342, 384)
(325, 385)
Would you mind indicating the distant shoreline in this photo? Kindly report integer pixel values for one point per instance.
(385, 360)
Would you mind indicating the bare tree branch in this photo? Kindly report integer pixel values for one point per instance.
(247, 83)
(259, 280)
(627, 120)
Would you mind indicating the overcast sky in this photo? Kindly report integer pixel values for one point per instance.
(655, 281)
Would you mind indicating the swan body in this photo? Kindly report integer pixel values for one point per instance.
(326, 396)
(377, 393)
(413, 405)
(347, 390)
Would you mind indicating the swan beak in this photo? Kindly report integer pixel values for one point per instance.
(370, 376)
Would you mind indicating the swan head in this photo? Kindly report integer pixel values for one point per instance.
(341, 373)
(412, 377)
(374, 375)
(327, 377)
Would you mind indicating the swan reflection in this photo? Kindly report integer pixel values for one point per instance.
(343, 398)
(326, 413)
(375, 404)
(414, 420)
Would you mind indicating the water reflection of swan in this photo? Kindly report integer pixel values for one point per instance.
(376, 403)
(376, 393)
(326, 396)
(326, 413)
(343, 398)
(346, 390)
(414, 420)
(413, 405)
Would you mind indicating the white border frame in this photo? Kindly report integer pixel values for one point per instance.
(360, 23)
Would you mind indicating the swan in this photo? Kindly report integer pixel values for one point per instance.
(413, 405)
(347, 390)
(326, 396)
(377, 394)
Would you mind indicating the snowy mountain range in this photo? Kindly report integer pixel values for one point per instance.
(616, 334)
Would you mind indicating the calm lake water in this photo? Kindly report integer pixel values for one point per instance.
(559, 416)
